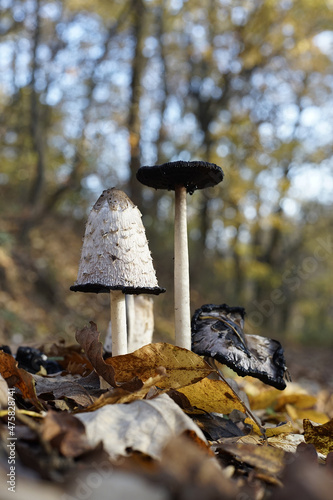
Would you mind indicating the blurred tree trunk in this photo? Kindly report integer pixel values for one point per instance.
(36, 129)
(134, 121)
(39, 206)
(37, 136)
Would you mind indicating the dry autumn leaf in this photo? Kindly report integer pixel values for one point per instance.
(287, 442)
(213, 396)
(183, 367)
(263, 398)
(119, 395)
(63, 387)
(319, 435)
(65, 433)
(143, 425)
(264, 458)
(300, 401)
(299, 414)
(17, 377)
(279, 429)
(217, 396)
(69, 357)
(3, 393)
(181, 457)
(88, 338)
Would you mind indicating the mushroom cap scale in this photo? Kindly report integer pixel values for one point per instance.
(115, 253)
(192, 175)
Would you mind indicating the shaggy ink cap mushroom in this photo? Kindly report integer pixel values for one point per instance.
(182, 177)
(115, 258)
(192, 175)
(115, 253)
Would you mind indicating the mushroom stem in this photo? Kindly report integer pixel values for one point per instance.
(181, 272)
(118, 322)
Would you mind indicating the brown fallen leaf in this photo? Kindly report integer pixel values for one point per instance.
(264, 458)
(65, 433)
(187, 470)
(59, 387)
(69, 357)
(18, 377)
(78, 364)
(319, 435)
(88, 338)
(303, 478)
(183, 367)
(120, 395)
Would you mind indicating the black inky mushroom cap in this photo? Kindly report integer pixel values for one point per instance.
(217, 332)
(192, 175)
(129, 290)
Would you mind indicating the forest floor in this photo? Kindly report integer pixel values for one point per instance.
(167, 430)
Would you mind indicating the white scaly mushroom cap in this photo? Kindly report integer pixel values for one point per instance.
(115, 251)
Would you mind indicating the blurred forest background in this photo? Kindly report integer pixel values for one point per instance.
(89, 91)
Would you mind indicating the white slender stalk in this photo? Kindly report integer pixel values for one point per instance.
(140, 321)
(181, 272)
(118, 322)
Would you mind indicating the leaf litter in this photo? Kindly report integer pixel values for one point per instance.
(167, 419)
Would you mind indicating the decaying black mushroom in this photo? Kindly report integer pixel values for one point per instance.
(217, 332)
(182, 177)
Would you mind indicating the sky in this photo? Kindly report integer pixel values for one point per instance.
(308, 181)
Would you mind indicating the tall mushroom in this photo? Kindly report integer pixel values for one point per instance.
(182, 177)
(115, 258)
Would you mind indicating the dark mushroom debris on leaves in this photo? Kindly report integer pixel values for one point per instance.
(217, 332)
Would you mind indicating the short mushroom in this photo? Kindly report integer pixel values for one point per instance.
(115, 258)
(182, 177)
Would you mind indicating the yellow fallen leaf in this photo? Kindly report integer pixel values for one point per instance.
(213, 396)
(301, 401)
(314, 415)
(319, 435)
(263, 399)
(291, 411)
(255, 427)
(183, 367)
(280, 429)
